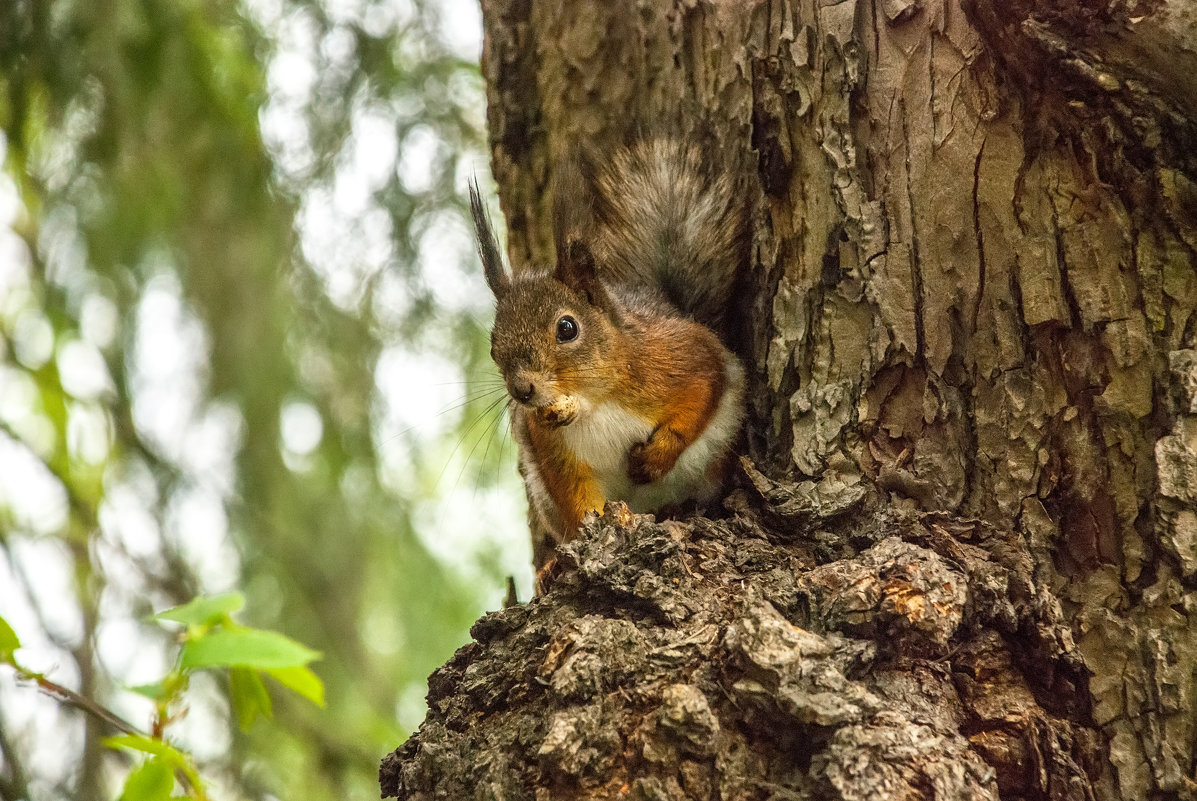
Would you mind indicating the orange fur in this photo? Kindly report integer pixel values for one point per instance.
(569, 482)
(677, 390)
(681, 406)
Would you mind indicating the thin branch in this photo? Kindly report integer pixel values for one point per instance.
(69, 697)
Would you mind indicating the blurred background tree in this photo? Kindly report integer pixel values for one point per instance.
(242, 345)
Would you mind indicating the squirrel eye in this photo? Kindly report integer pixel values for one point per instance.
(567, 329)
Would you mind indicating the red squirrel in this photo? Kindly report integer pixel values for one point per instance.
(619, 389)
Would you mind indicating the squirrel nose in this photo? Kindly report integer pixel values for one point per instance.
(522, 389)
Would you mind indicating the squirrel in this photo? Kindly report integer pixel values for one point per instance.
(620, 388)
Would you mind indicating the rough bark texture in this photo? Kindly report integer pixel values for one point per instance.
(972, 294)
(760, 657)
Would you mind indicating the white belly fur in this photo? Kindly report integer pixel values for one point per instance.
(603, 434)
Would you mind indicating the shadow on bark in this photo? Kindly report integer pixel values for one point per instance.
(809, 645)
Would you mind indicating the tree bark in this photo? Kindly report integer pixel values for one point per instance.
(966, 566)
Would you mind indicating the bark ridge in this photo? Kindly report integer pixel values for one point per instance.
(773, 654)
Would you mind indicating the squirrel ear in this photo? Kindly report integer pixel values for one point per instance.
(573, 222)
(576, 269)
(488, 249)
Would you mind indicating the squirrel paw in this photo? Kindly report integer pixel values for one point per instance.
(548, 573)
(650, 461)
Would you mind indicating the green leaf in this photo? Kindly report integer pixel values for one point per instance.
(9, 641)
(147, 745)
(250, 698)
(300, 680)
(164, 751)
(155, 691)
(153, 780)
(165, 690)
(203, 610)
(244, 647)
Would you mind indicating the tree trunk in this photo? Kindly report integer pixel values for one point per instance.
(966, 566)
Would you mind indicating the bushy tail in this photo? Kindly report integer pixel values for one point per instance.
(670, 220)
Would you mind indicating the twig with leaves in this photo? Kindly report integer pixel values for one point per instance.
(211, 640)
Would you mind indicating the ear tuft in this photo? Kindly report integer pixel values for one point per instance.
(488, 248)
(576, 269)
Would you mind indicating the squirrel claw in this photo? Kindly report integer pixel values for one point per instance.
(547, 575)
(637, 470)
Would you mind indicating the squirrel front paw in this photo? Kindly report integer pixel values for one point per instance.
(651, 460)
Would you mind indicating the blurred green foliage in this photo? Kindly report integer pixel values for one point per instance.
(233, 259)
(212, 640)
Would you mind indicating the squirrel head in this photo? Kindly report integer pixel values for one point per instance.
(554, 336)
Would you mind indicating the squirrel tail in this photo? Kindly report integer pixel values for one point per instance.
(668, 221)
